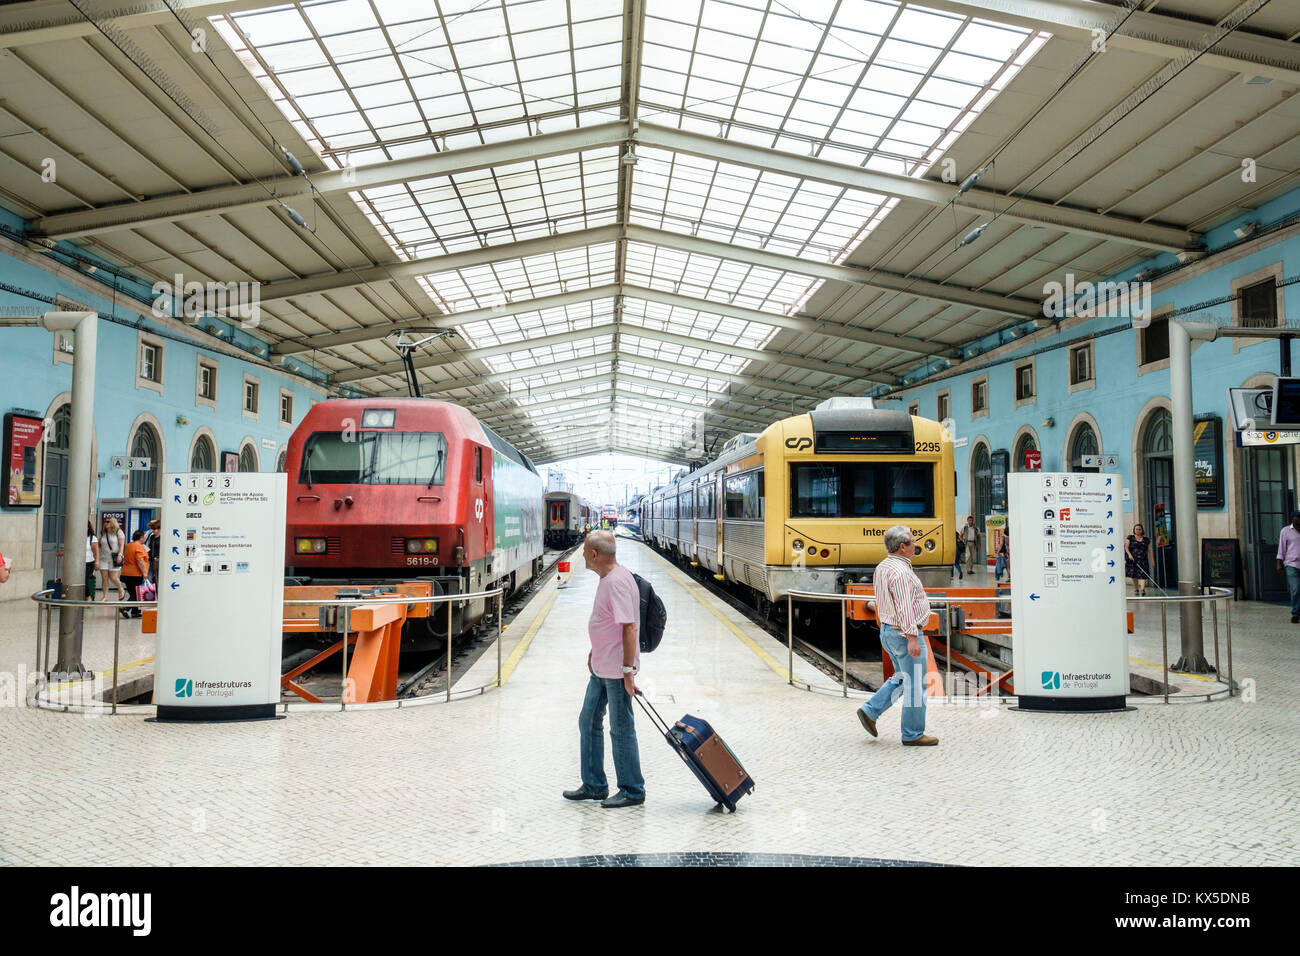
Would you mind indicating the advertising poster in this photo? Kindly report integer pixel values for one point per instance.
(24, 461)
(995, 530)
(1207, 452)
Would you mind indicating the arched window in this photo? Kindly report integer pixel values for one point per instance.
(62, 430)
(1159, 436)
(982, 483)
(204, 456)
(1083, 443)
(281, 461)
(248, 458)
(144, 484)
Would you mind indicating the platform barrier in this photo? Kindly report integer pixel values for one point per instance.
(977, 610)
(369, 622)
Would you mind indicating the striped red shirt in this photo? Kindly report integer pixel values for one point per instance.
(900, 595)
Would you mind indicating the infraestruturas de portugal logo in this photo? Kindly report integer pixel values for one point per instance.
(184, 687)
(1055, 680)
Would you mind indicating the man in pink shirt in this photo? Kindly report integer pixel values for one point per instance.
(1288, 562)
(614, 658)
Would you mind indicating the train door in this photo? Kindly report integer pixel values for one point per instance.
(695, 521)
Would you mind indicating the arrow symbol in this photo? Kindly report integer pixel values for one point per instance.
(176, 498)
(1112, 579)
(175, 585)
(1033, 597)
(1108, 497)
(178, 482)
(1110, 530)
(1110, 547)
(176, 533)
(1110, 514)
(175, 550)
(1109, 564)
(1108, 481)
(177, 567)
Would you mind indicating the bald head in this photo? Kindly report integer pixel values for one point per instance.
(603, 543)
(598, 551)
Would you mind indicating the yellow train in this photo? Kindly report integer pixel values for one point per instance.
(804, 505)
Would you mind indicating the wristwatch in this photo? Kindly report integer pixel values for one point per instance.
(628, 670)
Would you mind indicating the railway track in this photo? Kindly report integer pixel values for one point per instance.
(466, 650)
(814, 655)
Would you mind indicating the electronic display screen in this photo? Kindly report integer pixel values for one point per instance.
(865, 443)
(1286, 403)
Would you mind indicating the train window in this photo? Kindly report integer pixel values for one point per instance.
(861, 490)
(684, 505)
(478, 465)
(374, 458)
(705, 502)
(816, 491)
(910, 490)
(745, 496)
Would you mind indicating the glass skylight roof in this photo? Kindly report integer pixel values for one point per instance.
(880, 84)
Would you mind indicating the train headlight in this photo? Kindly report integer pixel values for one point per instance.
(379, 418)
(421, 545)
(929, 545)
(825, 553)
(309, 545)
(798, 545)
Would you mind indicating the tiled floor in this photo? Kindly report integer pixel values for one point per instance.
(479, 780)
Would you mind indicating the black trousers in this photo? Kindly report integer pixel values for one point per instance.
(131, 583)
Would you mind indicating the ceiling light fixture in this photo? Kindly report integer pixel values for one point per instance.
(629, 157)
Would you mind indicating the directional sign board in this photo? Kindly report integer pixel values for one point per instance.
(1104, 462)
(220, 596)
(1068, 631)
(127, 463)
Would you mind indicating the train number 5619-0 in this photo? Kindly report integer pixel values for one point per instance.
(422, 559)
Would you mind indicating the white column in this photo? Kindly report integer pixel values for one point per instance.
(1186, 533)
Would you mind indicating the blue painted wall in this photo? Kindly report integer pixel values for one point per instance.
(30, 379)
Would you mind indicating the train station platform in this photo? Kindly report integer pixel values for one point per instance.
(478, 780)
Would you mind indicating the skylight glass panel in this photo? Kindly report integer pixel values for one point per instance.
(510, 280)
(517, 328)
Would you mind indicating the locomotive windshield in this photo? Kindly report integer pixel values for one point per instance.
(374, 458)
(851, 490)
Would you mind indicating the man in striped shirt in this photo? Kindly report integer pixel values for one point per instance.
(902, 610)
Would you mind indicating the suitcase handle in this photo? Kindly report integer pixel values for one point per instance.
(661, 725)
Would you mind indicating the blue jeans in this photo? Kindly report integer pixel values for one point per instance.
(1293, 585)
(908, 682)
(622, 730)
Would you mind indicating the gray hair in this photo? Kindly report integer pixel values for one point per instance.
(895, 537)
(602, 542)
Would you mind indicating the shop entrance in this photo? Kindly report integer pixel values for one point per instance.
(1269, 482)
(1158, 465)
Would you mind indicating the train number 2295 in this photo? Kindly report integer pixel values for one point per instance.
(422, 559)
(927, 446)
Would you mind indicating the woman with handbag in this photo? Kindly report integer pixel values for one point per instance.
(92, 547)
(135, 568)
(112, 549)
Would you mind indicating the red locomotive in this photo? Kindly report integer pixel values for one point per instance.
(395, 489)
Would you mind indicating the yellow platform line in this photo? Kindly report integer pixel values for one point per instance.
(517, 654)
(125, 667)
(1208, 680)
(693, 588)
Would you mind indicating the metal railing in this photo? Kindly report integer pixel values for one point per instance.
(342, 625)
(945, 604)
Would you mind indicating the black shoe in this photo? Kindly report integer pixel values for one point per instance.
(1294, 619)
(868, 724)
(582, 793)
(622, 800)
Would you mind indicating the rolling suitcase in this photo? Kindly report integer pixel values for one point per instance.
(705, 752)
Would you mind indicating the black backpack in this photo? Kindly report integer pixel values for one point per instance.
(653, 616)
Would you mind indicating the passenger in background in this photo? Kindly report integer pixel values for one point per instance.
(153, 544)
(970, 536)
(112, 545)
(614, 658)
(961, 551)
(135, 568)
(902, 610)
(1288, 562)
(92, 545)
(1137, 559)
(1003, 564)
